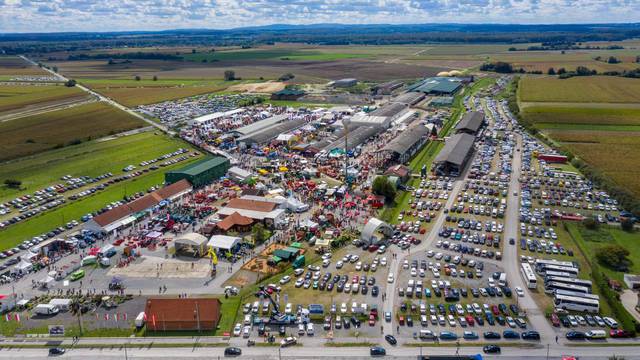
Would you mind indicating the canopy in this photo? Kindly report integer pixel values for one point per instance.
(154, 235)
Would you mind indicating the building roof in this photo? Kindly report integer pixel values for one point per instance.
(145, 202)
(201, 166)
(113, 215)
(233, 220)
(471, 121)
(289, 91)
(271, 132)
(403, 142)
(436, 84)
(192, 239)
(456, 149)
(177, 188)
(182, 310)
(253, 214)
(223, 241)
(247, 204)
(239, 172)
(356, 137)
(398, 170)
(389, 110)
(260, 124)
(217, 115)
(408, 98)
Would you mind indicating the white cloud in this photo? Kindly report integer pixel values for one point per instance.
(115, 15)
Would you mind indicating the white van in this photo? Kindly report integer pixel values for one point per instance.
(596, 334)
(247, 319)
(310, 331)
(46, 309)
(301, 329)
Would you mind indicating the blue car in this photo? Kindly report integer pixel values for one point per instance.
(448, 335)
(510, 334)
(470, 335)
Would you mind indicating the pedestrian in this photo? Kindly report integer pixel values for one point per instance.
(398, 329)
(556, 339)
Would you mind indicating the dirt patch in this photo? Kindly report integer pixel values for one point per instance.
(259, 265)
(265, 87)
(271, 248)
(171, 268)
(242, 278)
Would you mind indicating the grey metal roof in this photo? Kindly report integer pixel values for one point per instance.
(456, 149)
(409, 98)
(407, 139)
(261, 124)
(471, 121)
(357, 136)
(388, 110)
(271, 132)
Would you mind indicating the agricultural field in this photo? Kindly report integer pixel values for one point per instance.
(91, 159)
(13, 65)
(18, 98)
(597, 118)
(133, 93)
(37, 133)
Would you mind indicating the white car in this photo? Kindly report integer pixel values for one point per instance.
(343, 308)
(246, 331)
(288, 309)
(390, 278)
(414, 272)
(610, 322)
(298, 272)
(519, 291)
(359, 266)
(430, 253)
(339, 265)
(285, 279)
(237, 330)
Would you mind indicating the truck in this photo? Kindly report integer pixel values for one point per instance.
(140, 320)
(108, 251)
(502, 281)
(46, 309)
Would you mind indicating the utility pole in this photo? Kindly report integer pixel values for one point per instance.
(198, 316)
(548, 351)
(126, 357)
(346, 123)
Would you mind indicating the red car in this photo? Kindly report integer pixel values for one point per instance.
(618, 333)
(372, 320)
(495, 310)
(555, 320)
(470, 320)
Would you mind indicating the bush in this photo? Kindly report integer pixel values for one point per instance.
(229, 75)
(614, 256)
(13, 183)
(382, 186)
(627, 225)
(590, 223)
(626, 320)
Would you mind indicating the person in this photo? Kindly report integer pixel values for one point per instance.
(398, 329)
(556, 339)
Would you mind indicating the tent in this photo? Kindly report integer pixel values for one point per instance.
(22, 267)
(154, 235)
(192, 244)
(46, 282)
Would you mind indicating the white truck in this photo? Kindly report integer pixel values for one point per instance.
(46, 309)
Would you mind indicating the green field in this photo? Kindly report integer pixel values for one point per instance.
(38, 133)
(548, 116)
(272, 54)
(579, 89)
(15, 97)
(13, 65)
(91, 159)
(598, 127)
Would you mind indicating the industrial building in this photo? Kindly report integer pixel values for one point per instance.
(407, 144)
(388, 87)
(470, 123)
(382, 117)
(438, 85)
(270, 132)
(441, 101)
(200, 173)
(259, 125)
(211, 118)
(356, 137)
(343, 83)
(409, 98)
(287, 94)
(182, 314)
(265, 212)
(454, 155)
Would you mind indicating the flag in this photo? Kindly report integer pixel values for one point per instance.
(18, 317)
(7, 317)
(106, 316)
(115, 317)
(125, 316)
(153, 320)
(97, 316)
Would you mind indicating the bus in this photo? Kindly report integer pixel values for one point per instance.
(576, 294)
(555, 262)
(528, 276)
(550, 287)
(560, 274)
(572, 281)
(542, 269)
(575, 303)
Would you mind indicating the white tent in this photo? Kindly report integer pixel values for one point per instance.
(224, 242)
(46, 282)
(22, 267)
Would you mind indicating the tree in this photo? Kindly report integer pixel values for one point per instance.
(70, 83)
(55, 69)
(627, 225)
(551, 71)
(193, 51)
(614, 256)
(229, 75)
(613, 60)
(286, 77)
(13, 183)
(258, 233)
(382, 186)
(155, 77)
(590, 223)
(138, 78)
(561, 71)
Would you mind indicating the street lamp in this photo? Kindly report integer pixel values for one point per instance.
(346, 122)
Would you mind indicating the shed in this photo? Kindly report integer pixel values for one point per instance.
(191, 244)
(182, 314)
(454, 155)
(470, 122)
(200, 173)
(225, 243)
(284, 254)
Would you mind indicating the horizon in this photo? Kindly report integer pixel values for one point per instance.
(17, 17)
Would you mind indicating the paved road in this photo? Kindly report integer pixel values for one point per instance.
(106, 99)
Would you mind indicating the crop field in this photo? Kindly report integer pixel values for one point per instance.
(282, 54)
(19, 97)
(13, 65)
(545, 116)
(588, 89)
(132, 93)
(37, 133)
(91, 159)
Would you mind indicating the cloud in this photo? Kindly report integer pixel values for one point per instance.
(117, 15)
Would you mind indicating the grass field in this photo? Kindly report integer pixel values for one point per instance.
(17, 233)
(37, 133)
(15, 97)
(548, 116)
(13, 65)
(283, 54)
(132, 93)
(91, 159)
(598, 89)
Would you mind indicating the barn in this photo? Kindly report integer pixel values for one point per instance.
(200, 173)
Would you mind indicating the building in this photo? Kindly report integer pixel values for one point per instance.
(190, 244)
(343, 83)
(409, 98)
(211, 119)
(470, 123)
(235, 222)
(259, 125)
(200, 173)
(265, 212)
(287, 94)
(388, 87)
(238, 174)
(439, 101)
(454, 155)
(438, 85)
(407, 144)
(224, 243)
(269, 133)
(124, 215)
(382, 117)
(401, 172)
(182, 314)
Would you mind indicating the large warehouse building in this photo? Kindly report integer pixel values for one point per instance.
(470, 123)
(382, 117)
(407, 144)
(454, 155)
(438, 85)
(200, 173)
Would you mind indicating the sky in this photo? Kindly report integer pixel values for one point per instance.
(123, 15)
